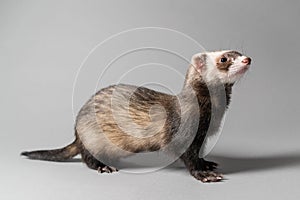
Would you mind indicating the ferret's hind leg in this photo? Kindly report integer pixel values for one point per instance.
(95, 164)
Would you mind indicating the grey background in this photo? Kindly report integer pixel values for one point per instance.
(42, 44)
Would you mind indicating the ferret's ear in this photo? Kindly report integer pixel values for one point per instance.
(198, 61)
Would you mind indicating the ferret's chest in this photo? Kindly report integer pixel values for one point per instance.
(210, 124)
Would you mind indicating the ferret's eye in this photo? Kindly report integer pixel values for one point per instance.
(223, 60)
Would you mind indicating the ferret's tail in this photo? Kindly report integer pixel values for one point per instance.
(58, 155)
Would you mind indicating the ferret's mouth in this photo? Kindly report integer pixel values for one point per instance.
(238, 71)
(243, 69)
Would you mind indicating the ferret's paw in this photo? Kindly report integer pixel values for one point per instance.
(207, 176)
(209, 165)
(107, 169)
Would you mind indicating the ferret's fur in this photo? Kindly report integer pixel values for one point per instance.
(123, 119)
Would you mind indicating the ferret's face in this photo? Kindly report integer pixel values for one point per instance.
(225, 66)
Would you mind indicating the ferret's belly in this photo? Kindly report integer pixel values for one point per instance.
(104, 137)
(110, 126)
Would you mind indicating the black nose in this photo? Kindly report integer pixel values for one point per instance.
(247, 61)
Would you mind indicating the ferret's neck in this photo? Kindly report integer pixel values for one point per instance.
(204, 91)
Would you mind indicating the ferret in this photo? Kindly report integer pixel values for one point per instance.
(121, 120)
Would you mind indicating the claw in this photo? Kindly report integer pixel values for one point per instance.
(107, 169)
(207, 176)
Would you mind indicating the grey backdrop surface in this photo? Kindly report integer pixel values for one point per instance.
(42, 44)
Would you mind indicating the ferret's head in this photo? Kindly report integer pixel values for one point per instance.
(221, 66)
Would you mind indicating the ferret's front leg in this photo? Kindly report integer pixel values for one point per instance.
(199, 168)
(209, 165)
